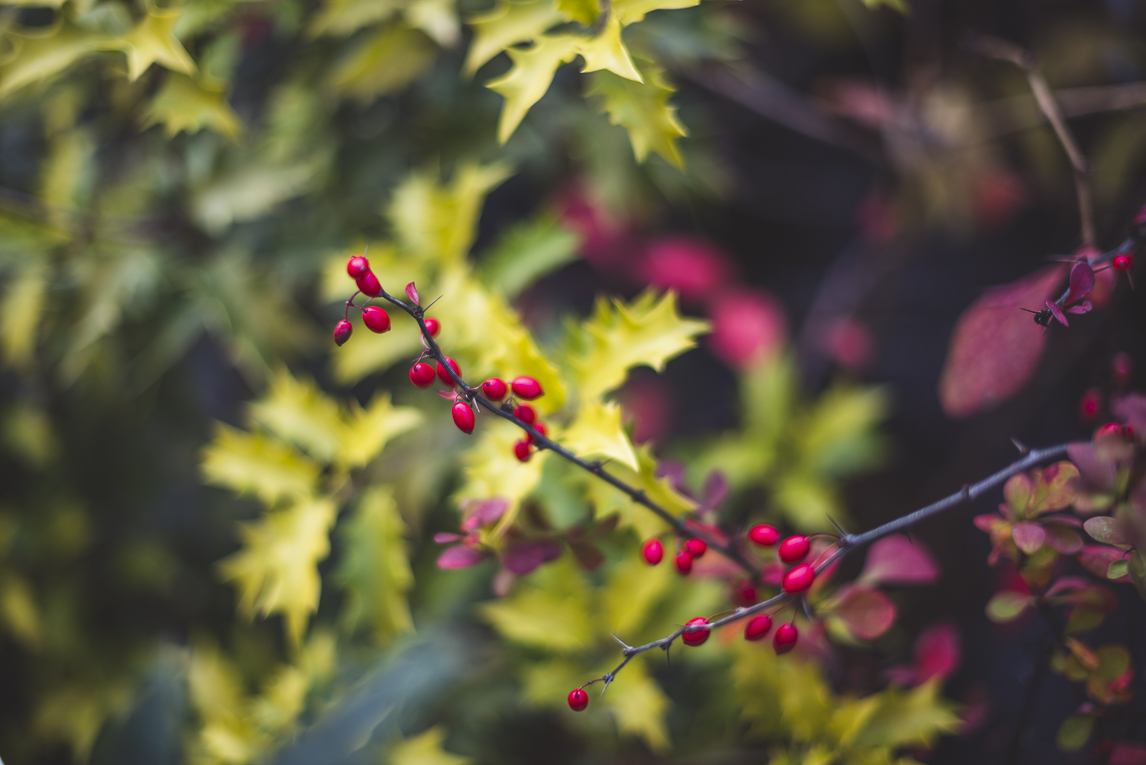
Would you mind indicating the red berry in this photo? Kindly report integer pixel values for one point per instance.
(794, 548)
(1123, 262)
(745, 594)
(357, 266)
(443, 375)
(369, 284)
(683, 562)
(1121, 368)
(433, 325)
(764, 535)
(1129, 432)
(376, 319)
(540, 428)
(342, 331)
(422, 375)
(578, 699)
(1089, 405)
(758, 627)
(696, 547)
(798, 578)
(653, 551)
(463, 417)
(1109, 429)
(785, 638)
(521, 451)
(494, 389)
(525, 413)
(527, 388)
(697, 637)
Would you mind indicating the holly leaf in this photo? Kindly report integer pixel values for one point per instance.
(254, 463)
(425, 749)
(153, 41)
(374, 569)
(528, 251)
(898, 560)
(597, 431)
(509, 23)
(529, 79)
(40, 55)
(648, 331)
(298, 412)
(643, 110)
(492, 470)
(909, 718)
(20, 314)
(584, 12)
(640, 708)
(606, 51)
(995, 346)
(342, 17)
(276, 571)
(183, 105)
(552, 610)
(632, 11)
(367, 431)
(386, 61)
(634, 590)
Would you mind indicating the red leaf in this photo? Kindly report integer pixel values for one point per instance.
(523, 557)
(1097, 559)
(1056, 311)
(937, 652)
(1109, 531)
(412, 293)
(1028, 536)
(1083, 307)
(1066, 541)
(1081, 282)
(897, 560)
(460, 556)
(867, 613)
(995, 346)
(443, 537)
(1127, 754)
(482, 512)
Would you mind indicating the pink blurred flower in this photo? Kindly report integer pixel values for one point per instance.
(747, 327)
(692, 267)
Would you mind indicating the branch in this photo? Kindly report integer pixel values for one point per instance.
(1002, 50)
(848, 543)
(472, 395)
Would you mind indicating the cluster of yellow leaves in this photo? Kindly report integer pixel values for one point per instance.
(634, 97)
(297, 434)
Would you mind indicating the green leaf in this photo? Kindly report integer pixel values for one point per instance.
(42, 55)
(1117, 569)
(584, 12)
(276, 571)
(153, 41)
(911, 718)
(836, 438)
(369, 430)
(425, 749)
(257, 464)
(606, 51)
(1074, 732)
(807, 501)
(550, 609)
(632, 11)
(385, 62)
(643, 110)
(895, 5)
(374, 568)
(640, 707)
(649, 331)
(437, 18)
(633, 589)
(298, 412)
(1107, 530)
(598, 432)
(184, 105)
(528, 251)
(491, 469)
(19, 611)
(342, 17)
(20, 314)
(1008, 605)
(529, 79)
(509, 23)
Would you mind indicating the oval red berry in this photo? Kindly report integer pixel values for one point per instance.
(696, 637)
(578, 699)
(527, 388)
(376, 319)
(683, 562)
(495, 389)
(444, 376)
(463, 417)
(758, 627)
(798, 578)
(764, 535)
(1108, 430)
(1123, 262)
(696, 547)
(369, 284)
(525, 413)
(342, 331)
(794, 548)
(521, 451)
(433, 325)
(745, 594)
(540, 428)
(422, 375)
(785, 638)
(653, 551)
(357, 266)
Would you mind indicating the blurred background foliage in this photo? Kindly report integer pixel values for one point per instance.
(216, 529)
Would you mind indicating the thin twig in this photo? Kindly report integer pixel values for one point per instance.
(1003, 50)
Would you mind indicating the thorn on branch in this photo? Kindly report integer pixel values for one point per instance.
(1024, 450)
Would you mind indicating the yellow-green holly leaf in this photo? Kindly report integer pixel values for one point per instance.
(649, 331)
(895, 5)
(425, 749)
(607, 500)
(632, 591)
(298, 412)
(276, 571)
(437, 18)
(367, 353)
(153, 41)
(39, 55)
(632, 11)
(582, 11)
(642, 108)
(374, 568)
(19, 613)
(910, 718)
(342, 17)
(509, 23)
(550, 609)
(529, 79)
(369, 430)
(184, 105)
(258, 464)
(597, 432)
(20, 314)
(640, 707)
(524, 253)
(227, 734)
(385, 62)
(491, 469)
(607, 51)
